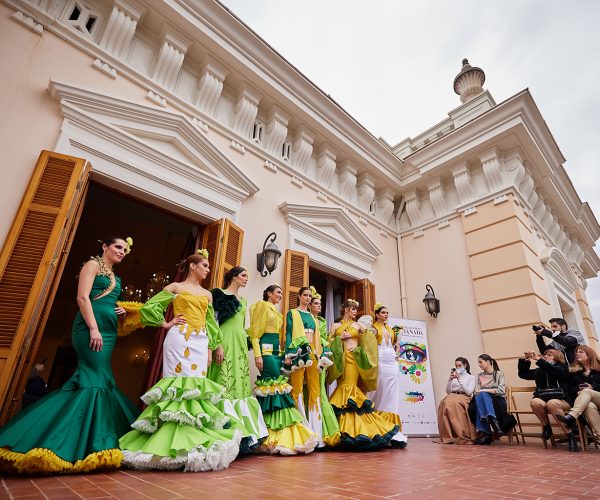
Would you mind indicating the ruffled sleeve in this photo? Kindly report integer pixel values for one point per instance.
(152, 312)
(215, 336)
(132, 321)
(258, 324)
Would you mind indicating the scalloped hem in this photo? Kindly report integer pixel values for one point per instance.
(180, 388)
(199, 459)
(290, 441)
(45, 461)
(362, 442)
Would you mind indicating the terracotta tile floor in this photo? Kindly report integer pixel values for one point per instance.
(423, 470)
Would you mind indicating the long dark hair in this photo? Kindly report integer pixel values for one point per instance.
(487, 357)
(232, 273)
(184, 265)
(108, 241)
(268, 290)
(465, 363)
(302, 290)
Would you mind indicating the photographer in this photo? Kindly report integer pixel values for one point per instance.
(552, 393)
(563, 339)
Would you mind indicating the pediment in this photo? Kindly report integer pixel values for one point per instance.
(331, 237)
(168, 136)
(558, 266)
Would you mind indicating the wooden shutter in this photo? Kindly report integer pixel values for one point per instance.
(364, 292)
(295, 276)
(210, 241)
(31, 262)
(223, 240)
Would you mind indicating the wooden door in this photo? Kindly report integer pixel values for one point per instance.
(295, 276)
(223, 240)
(31, 263)
(364, 292)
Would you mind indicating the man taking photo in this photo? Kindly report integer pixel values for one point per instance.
(563, 339)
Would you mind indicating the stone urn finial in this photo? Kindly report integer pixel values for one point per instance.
(469, 82)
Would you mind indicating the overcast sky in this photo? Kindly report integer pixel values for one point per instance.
(391, 64)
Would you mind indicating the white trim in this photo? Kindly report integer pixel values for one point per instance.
(331, 238)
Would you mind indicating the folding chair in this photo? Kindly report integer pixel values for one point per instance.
(513, 409)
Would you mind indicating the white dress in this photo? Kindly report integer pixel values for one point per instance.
(387, 397)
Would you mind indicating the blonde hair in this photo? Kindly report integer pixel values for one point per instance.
(558, 356)
(592, 356)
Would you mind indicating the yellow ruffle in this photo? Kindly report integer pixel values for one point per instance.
(368, 424)
(44, 461)
(332, 441)
(393, 418)
(291, 440)
(132, 321)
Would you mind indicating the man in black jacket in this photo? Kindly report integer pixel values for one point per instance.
(563, 339)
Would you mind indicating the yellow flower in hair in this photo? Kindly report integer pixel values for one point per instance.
(352, 301)
(203, 252)
(314, 293)
(129, 241)
(378, 305)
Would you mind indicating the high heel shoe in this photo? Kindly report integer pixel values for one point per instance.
(572, 442)
(486, 439)
(569, 420)
(547, 432)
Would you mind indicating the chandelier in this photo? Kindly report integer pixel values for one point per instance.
(157, 282)
(131, 293)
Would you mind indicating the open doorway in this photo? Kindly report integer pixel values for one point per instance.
(159, 239)
(332, 290)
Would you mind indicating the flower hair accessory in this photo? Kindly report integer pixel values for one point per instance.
(314, 293)
(203, 252)
(353, 302)
(129, 241)
(378, 306)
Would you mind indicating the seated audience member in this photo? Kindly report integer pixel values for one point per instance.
(563, 339)
(585, 379)
(552, 393)
(488, 408)
(453, 412)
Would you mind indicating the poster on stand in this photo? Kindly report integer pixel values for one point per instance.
(419, 415)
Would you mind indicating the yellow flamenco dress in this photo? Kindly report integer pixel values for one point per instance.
(288, 432)
(356, 359)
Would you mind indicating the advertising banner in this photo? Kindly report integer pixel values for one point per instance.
(419, 417)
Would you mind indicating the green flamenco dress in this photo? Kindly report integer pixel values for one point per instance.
(288, 432)
(76, 428)
(234, 372)
(182, 426)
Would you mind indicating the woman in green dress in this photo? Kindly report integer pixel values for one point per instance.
(234, 372)
(182, 426)
(331, 429)
(77, 427)
(288, 434)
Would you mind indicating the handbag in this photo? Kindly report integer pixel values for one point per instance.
(551, 392)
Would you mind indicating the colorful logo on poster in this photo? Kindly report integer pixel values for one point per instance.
(412, 357)
(414, 397)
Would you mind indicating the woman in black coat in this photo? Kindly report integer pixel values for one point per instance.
(553, 394)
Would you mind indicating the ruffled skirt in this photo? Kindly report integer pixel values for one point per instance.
(182, 428)
(288, 433)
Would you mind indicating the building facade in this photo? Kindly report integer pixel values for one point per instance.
(171, 121)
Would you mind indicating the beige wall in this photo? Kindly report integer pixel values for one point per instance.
(439, 258)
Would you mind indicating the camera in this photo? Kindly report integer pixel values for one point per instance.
(537, 328)
(452, 370)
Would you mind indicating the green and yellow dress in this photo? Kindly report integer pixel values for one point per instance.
(182, 426)
(234, 372)
(288, 433)
(77, 427)
(331, 429)
(356, 358)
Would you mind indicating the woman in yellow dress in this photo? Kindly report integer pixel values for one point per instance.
(288, 434)
(355, 357)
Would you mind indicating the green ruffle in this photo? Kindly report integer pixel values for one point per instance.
(297, 343)
(367, 407)
(275, 402)
(181, 388)
(365, 443)
(283, 418)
